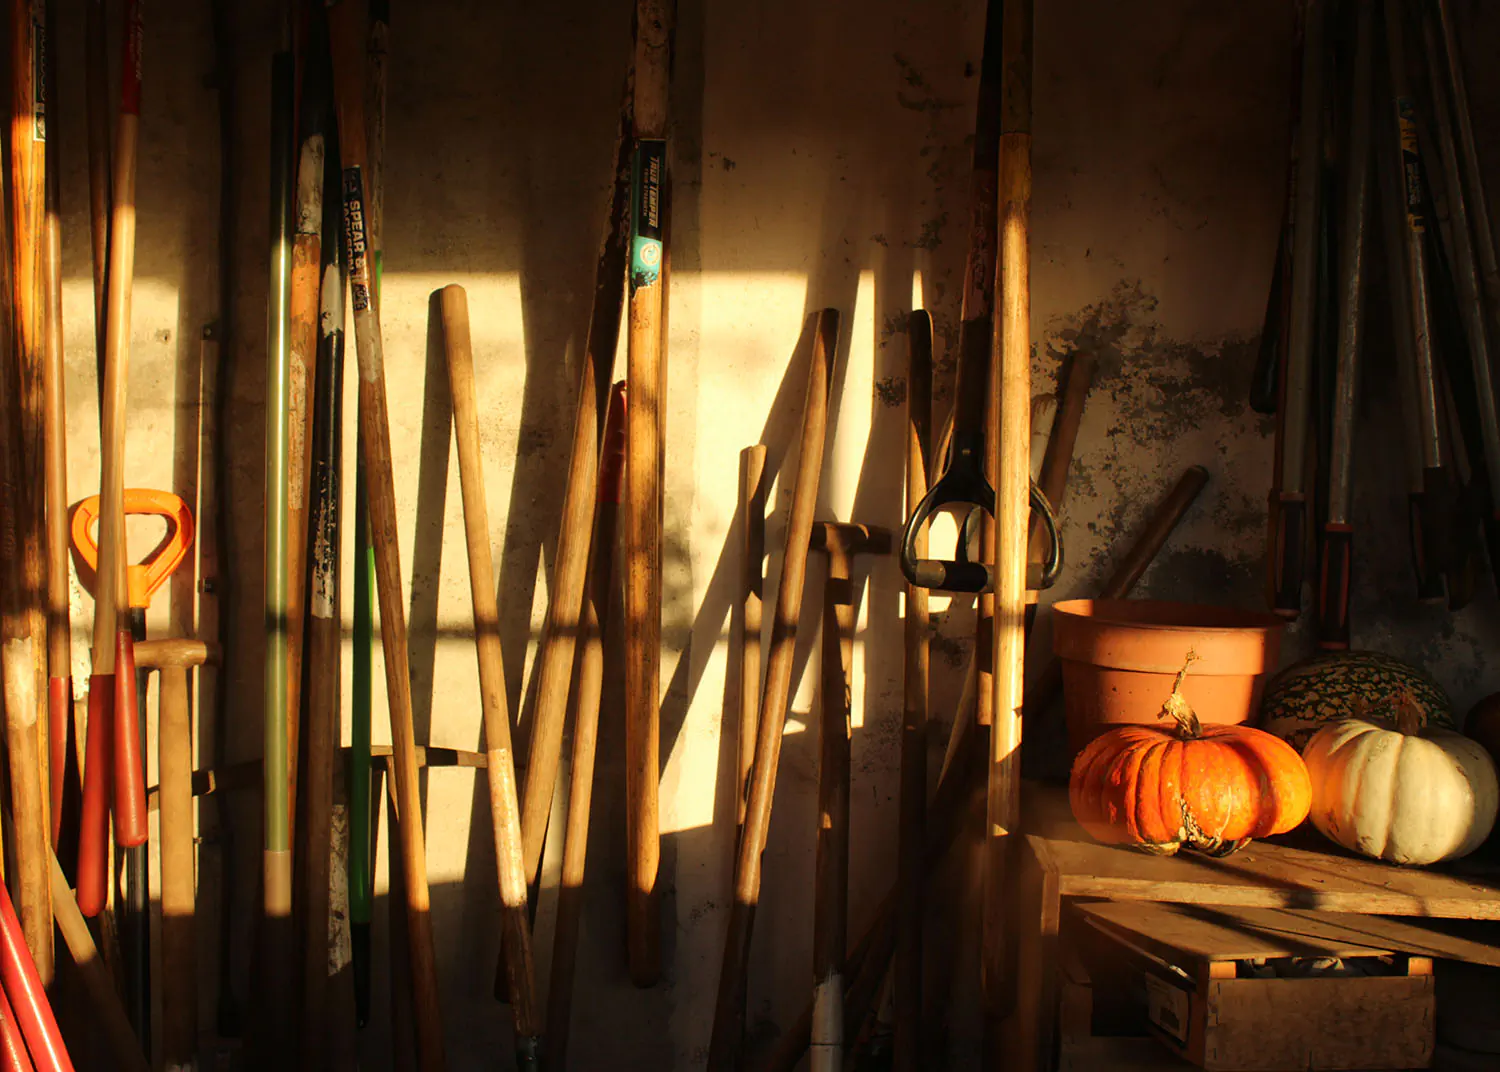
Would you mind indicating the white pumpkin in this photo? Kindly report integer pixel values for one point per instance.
(1390, 789)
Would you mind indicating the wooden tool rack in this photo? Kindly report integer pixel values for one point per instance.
(1054, 859)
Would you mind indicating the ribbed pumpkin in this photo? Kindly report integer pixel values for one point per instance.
(1326, 688)
(1207, 788)
(1387, 787)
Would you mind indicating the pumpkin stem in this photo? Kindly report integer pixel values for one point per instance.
(1177, 708)
(1408, 713)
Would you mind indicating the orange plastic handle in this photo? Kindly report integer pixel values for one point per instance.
(142, 579)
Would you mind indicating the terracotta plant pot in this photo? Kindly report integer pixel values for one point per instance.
(1119, 657)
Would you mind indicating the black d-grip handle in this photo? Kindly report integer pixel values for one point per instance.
(964, 485)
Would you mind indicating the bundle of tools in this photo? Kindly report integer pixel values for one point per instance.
(1381, 121)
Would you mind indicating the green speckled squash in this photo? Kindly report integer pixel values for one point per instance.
(1339, 685)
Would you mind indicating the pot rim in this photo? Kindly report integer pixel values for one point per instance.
(1230, 619)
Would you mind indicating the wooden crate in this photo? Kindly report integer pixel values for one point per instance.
(1184, 957)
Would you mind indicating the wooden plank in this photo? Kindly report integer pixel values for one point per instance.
(1193, 937)
(1262, 875)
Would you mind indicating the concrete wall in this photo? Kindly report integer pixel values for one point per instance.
(819, 158)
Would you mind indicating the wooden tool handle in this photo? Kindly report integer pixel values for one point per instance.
(347, 34)
(752, 573)
(108, 1012)
(1009, 463)
(179, 941)
(913, 791)
(1058, 457)
(586, 697)
(183, 653)
(726, 1042)
(505, 812)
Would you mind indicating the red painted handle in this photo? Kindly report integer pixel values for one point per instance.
(98, 774)
(130, 777)
(130, 70)
(59, 719)
(612, 450)
(12, 1045)
(28, 998)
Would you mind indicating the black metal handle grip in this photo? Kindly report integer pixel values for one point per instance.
(964, 485)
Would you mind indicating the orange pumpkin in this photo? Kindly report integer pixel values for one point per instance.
(1206, 788)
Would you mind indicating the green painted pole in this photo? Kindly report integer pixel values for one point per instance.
(276, 904)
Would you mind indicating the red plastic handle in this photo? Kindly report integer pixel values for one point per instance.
(130, 778)
(98, 775)
(12, 1045)
(28, 998)
(142, 578)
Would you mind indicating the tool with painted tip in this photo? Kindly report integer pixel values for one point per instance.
(361, 801)
(62, 764)
(143, 580)
(1289, 531)
(1433, 513)
(841, 542)
(1336, 561)
(347, 34)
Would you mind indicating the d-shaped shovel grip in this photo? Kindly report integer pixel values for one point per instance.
(964, 485)
(142, 578)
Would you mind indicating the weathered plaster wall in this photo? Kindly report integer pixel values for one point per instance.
(820, 158)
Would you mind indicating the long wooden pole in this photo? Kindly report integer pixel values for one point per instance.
(101, 196)
(555, 660)
(348, 37)
(726, 1044)
(500, 770)
(18, 651)
(27, 145)
(912, 824)
(976, 327)
(752, 574)
(361, 797)
(305, 307)
(114, 760)
(1009, 449)
(275, 943)
(587, 693)
(841, 542)
(62, 774)
(324, 649)
(644, 434)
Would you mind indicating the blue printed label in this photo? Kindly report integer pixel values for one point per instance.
(648, 169)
